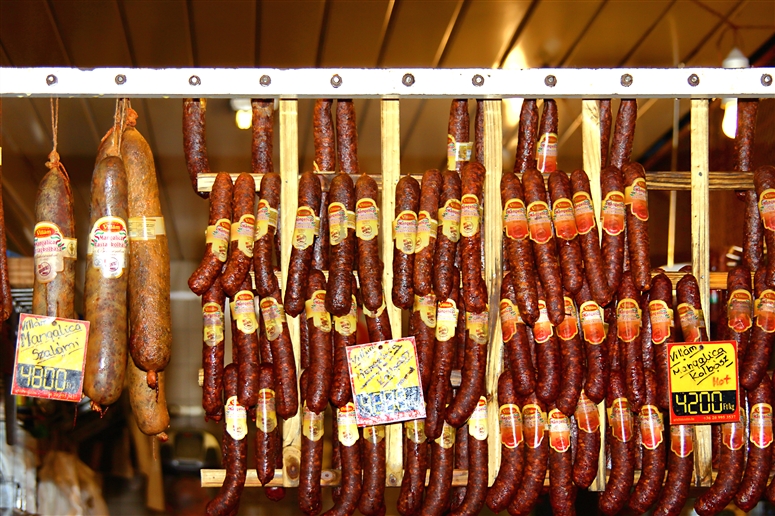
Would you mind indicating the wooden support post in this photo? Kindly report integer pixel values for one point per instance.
(700, 260)
(391, 171)
(289, 171)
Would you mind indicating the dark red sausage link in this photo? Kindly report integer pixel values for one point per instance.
(646, 344)
(757, 356)
(605, 130)
(268, 436)
(764, 182)
(547, 358)
(369, 261)
(336, 455)
(211, 264)
(637, 221)
(442, 453)
(730, 471)
(283, 361)
(503, 489)
(303, 344)
(310, 501)
(323, 130)
(527, 137)
(662, 332)
(235, 459)
(566, 233)
(321, 352)
(460, 351)
(448, 234)
(680, 466)
(628, 320)
(245, 348)
(303, 243)
(264, 349)
(589, 238)
(213, 308)
(263, 132)
(344, 334)
(753, 232)
(471, 228)
(653, 449)
(350, 452)
(407, 200)
(621, 146)
(415, 468)
(536, 457)
(238, 263)
(757, 468)
(546, 147)
(739, 309)
(479, 132)
(617, 490)
(379, 328)
(264, 246)
(424, 337)
(613, 221)
(691, 322)
(746, 134)
(195, 141)
(476, 488)
(473, 371)
(592, 320)
(588, 442)
(427, 221)
(372, 502)
(347, 137)
(276, 493)
(571, 360)
(320, 249)
(458, 129)
(543, 242)
(461, 463)
(515, 342)
(744, 149)
(342, 255)
(562, 492)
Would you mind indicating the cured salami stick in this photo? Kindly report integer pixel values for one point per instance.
(764, 182)
(235, 456)
(547, 360)
(379, 327)
(562, 492)
(437, 494)
(320, 249)
(461, 462)
(647, 346)
(564, 219)
(479, 132)
(534, 425)
(342, 238)
(405, 230)
(571, 360)
(502, 491)
(372, 501)
(195, 141)
(527, 137)
(245, 344)
(629, 322)
(323, 130)
(474, 287)
(680, 465)
(458, 136)
(589, 239)
(476, 488)
(347, 137)
(266, 226)
(217, 239)
(344, 334)
(303, 343)
(276, 493)
(517, 249)
(263, 133)
(350, 451)
(415, 468)
(546, 147)
(149, 405)
(739, 309)
(662, 332)
(757, 356)
(284, 364)
(653, 448)
(730, 471)
(752, 222)
(605, 130)
(757, 469)
(543, 242)
(367, 230)
(753, 232)
(637, 222)
(422, 326)
(448, 234)
(242, 233)
(613, 222)
(515, 341)
(303, 242)
(336, 455)
(593, 332)
(427, 226)
(310, 498)
(689, 309)
(473, 371)
(588, 442)
(320, 374)
(213, 309)
(268, 437)
(447, 339)
(621, 146)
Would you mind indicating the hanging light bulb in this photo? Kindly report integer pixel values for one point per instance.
(244, 113)
(735, 59)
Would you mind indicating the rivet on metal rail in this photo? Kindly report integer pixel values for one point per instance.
(694, 80)
(265, 80)
(408, 79)
(194, 80)
(626, 80)
(120, 79)
(336, 80)
(478, 80)
(550, 81)
(51, 79)
(766, 79)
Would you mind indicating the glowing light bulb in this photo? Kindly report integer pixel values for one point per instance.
(244, 118)
(729, 124)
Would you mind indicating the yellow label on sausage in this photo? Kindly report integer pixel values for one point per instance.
(478, 326)
(315, 309)
(426, 305)
(337, 223)
(469, 215)
(50, 248)
(236, 419)
(449, 219)
(305, 228)
(266, 217)
(347, 324)
(266, 415)
(218, 236)
(366, 219)
(146, 228)
(405, 231)
(477, 423)
(212, 316)
(243, 233)
(274, 315)
(346, 425)
(427, 227)
(312, 424)
(446, 320)
(415, 430)
(243, 311)
(109, 246)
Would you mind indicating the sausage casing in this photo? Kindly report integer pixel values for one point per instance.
(217, 236)
(303, 242)
(195, 141)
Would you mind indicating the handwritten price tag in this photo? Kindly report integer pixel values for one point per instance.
(386, 382)
(50, 357)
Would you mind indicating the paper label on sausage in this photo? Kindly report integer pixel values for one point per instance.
(740, 311)
(543, 328)
(584, 212)
(546, 153)
(449, 219)
(760, 422)
(374, 434)
(109, 246)
(366, 219)
(212, 316)
(50, 250)
(351, 220)
(376, 313)
(427, 229)
(315, 309)
(477, 423)
(305, 228)
(218, 236)
(592, 325)
(509, 319)
(569, 327)
(426, 305)
(478, 326)
(457, 152)
(515, 220)
(337, 223)
(274, 315)
(533, 425)
(539, 222)
(446, 320)
(312, 424)
(405, 231)
(651, 426)
(415, 430)
(682, 440)
(243, 233)
(559, 431)
(469, 215)
(266, 217)
(733, 435)
(236, 419)
(347, 324)
(690, 322)
(661, 317)
(346, 424)
(612, 213)
(146, 228)
(767, 208)
(587, 416)
(447, 438)
(636, 196)
(243, 311)
(266, 415)
(564, 219)
(510, 419)
(764, 310)
(620, 419)
(628, 319)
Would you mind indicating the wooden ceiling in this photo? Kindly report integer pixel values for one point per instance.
(329, 33)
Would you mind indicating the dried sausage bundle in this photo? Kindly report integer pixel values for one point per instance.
(217, 236)
(637, 218)
(739, 319)
(242, 234)
(305, 231)
(195, 141)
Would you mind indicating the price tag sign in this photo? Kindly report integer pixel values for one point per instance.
(50, 357)
(703, 383)
(386, 382)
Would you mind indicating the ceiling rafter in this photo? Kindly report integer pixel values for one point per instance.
(520, 28)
